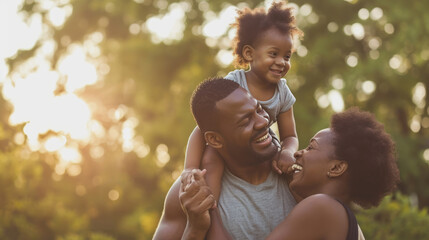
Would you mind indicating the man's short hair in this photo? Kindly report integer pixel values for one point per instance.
(204, 99)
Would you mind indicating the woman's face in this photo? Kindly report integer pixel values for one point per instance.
(313, 164)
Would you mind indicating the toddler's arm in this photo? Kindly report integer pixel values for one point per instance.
(194, 153)
(214, 164)
(289, 141)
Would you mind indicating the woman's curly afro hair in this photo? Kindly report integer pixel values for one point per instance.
(362, 142)
(250, 24)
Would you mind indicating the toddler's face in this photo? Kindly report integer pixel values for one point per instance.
(271, 55)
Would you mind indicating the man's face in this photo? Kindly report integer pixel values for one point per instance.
(243, 125)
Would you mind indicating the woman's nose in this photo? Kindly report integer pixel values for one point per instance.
(298, 154)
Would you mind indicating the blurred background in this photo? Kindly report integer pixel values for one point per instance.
(95, 104)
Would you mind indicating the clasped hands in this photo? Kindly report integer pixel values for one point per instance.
(196, 199)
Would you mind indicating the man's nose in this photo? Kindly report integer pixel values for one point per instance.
(262, 120)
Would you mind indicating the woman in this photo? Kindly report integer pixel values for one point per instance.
(353, 161)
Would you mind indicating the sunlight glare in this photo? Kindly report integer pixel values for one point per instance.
(395, 62)
(376, 13)
(389, 29)
(69, 155)
(19, 138)
(374, 43)
(162, 156)
(337, 83)
(96, 152)
(305, 9)
(358, 31)
(79, 72)
(368, 87)
(113, 194)
(54, 143)
(426, 155)
(20, 34)
(419, 95)
(224, 58)
(57, 16)
(336, 100)
(35, 104)
(140, 148)
(352, 60)
(4, 70)
(332, 27)
(415, 124)
(323, 101)
(168, 27)
(218, 26)
(302, 51)
(363, 14)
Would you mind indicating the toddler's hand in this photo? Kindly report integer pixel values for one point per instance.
(187, 176)
(283, 162)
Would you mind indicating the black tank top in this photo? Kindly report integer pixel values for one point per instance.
(352, 234)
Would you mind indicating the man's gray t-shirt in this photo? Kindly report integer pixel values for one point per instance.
(252, 211)
(281, 101)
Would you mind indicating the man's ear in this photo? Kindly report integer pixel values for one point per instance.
(213, 139)
(248, 53)
(337, 168)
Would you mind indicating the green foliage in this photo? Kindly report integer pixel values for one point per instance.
(394, 219)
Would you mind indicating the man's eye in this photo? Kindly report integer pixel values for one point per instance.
(273, 54)
(309, 147)
(244, 123)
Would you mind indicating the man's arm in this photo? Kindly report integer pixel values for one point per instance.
(173, 219)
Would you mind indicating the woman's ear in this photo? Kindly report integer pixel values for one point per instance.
(213, 139)
(337, 168)
(248, 53)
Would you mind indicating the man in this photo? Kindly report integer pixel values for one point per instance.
(253, 199)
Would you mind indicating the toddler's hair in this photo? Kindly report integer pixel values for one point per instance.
(250, 24)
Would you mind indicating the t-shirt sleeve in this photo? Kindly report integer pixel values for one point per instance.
(233, 76)
(286, 97)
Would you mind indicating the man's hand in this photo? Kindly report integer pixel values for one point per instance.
(283, 162)
(196, 199)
